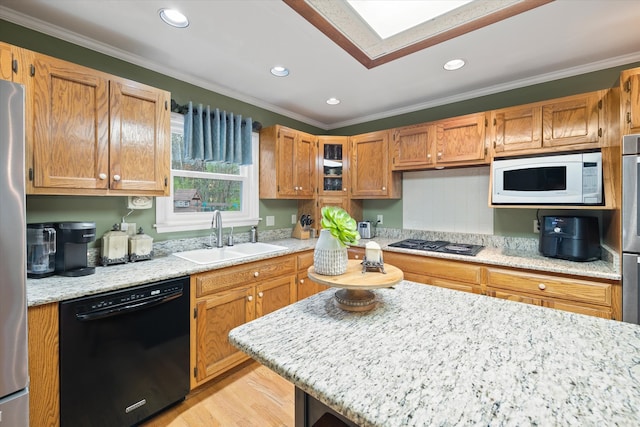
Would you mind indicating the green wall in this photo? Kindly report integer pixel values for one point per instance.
(106, 211)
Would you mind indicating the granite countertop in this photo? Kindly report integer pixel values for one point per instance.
(520, 253)
(432, 356)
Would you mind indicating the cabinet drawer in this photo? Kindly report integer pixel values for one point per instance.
(435, 267)
(305, 260)
(216, 280)
(550, 286)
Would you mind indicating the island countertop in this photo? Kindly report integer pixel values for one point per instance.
(433, 356)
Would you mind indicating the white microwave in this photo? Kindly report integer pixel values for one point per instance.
(564, 179)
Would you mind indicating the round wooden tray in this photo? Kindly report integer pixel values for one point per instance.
(355, 293)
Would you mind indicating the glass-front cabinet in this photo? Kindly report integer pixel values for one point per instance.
(333, 167)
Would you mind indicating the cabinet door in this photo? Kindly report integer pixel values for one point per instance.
(274, 294)
(286, 158)
(139, 143)
(305, 165)
(216, 316)
(572, 121)
(70, 126)
(630, 100)
(413, 147)
(517, 129)
(333, 167)
(6, 59)
(370, 165)
(461, 140)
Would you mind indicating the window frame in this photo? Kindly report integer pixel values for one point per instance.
(168, 221)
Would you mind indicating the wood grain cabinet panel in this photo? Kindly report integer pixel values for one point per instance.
(44, 363)
(94, 133)
(371, 175)
(6, 62)
(306, 287)
(287, 163)
(630, 101)
(517, 129)
(572, 121)
(413, 147)
(590, 297)
(229, 297)
(461, 140)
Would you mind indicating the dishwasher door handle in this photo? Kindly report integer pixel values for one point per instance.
(101, 314)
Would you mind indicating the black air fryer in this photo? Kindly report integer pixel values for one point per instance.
(71, 248)
(575, 238)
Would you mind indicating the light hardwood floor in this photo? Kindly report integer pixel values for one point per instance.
(249, 396)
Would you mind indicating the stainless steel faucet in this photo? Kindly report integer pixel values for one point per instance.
(216, 221)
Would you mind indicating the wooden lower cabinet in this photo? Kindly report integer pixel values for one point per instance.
(229, 297)
(438, 272)
(306, 287)
(44, 381)
(591, 297)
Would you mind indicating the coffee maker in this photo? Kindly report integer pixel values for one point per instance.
(71, 247)
(41, 250)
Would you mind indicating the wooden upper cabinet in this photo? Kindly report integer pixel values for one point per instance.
(413, 147)
(94, 133)
(630, 100)
(6, 62)
(140, 138)
(563, 124)
(333, 165)
(287, 163)
(70, 126)
(461, 140)
(517, 128)
(573, 121)
(371, 176)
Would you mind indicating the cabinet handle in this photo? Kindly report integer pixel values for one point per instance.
(542, 286)
(260, 294)
(256, 274)
(428, 156)
(384, 188)
(301, 281)
(439, 155)
(356, 256)
(14, 66)
(344, 189)
(102, 176)
(628, 117)
(116, 178)
(250, 298)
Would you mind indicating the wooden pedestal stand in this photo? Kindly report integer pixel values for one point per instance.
(355, 293)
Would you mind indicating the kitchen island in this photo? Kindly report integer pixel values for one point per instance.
(433, 356)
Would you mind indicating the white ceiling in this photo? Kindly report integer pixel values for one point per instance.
(230, 46)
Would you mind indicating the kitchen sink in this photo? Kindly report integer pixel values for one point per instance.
(228, 253)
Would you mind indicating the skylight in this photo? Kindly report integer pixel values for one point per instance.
(390, 17)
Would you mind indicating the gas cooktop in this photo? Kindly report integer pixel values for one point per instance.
(439, 246)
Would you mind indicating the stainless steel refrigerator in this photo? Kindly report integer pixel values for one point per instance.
(14, 376)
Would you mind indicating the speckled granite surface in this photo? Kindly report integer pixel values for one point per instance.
(500, 251)
(432, 356)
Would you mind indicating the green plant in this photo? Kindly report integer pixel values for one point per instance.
(340, 224)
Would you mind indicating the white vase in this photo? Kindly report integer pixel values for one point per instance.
(330, 258)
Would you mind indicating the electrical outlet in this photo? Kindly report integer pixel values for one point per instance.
(293, 218)
(536, 226)
(271, 220)
(380, 219)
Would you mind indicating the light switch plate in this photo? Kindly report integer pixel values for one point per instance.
(140, 202)
(271, 220)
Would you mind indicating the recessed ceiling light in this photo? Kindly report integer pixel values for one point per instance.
(174, 18)
(280, 71)
(333, 101)
(454, 64)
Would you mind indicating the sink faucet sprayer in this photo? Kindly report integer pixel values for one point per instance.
(216, 221)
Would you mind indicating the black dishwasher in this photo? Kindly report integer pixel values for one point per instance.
(124, 355)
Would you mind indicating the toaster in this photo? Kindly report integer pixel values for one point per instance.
(365, 229)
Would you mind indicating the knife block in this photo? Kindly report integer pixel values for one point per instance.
(300, 233)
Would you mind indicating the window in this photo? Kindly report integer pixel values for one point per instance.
(199, 188)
